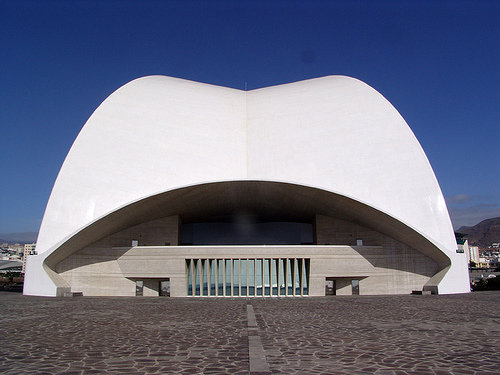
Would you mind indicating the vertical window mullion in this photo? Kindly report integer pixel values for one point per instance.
(232, 277)
(295, 276)
(223, 278)
(216, 279)
(239, 278)
(307, 266)
(209, 279)
(263, 277)
(188, 273)
(301, 276)
(248, 277)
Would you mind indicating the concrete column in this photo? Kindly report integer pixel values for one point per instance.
(263, 276)
(278, 276)
(255, 277)
(294, 277)
(239, 278)
(287, 271)
(200, 273)
(301, 276)
(216, 277)
(270, 277)
(248, 277)
(193, 276)
(208, 276)
(223, 277)
(232, 277)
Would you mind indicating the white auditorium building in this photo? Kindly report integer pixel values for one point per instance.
(187, 189)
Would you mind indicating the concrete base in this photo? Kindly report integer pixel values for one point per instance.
(379, 271)
(73, 294)
(421, 292)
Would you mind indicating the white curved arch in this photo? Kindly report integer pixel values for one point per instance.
(334, 133)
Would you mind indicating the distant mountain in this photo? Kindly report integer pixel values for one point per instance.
(484, 233)
(22, 238)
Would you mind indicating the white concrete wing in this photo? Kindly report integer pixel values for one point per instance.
(159, 134)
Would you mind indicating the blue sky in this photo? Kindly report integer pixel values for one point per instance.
(437, 62)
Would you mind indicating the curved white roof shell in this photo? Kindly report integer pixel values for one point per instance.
(158, 134)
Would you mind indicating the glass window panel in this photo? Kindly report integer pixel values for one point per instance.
(297, 277)
(204, 266)
(236, 277)
(251, 277)
(355, 287)
(196, 272)
(244, 276)
(274, 281)
(189, 278)
(289, 276)
(228, 277)
(258, 271)
(305, 287)
(212, 277)
(220, 271)
(267, 265)
(139, 286)
(282, 277)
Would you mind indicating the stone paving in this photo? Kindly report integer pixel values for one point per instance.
(457, 334)
(383, 335)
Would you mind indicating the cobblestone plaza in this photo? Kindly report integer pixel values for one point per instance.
(445, 334)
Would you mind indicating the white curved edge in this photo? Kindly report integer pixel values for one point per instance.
(366, 148)
(38, 282)
(139, 135)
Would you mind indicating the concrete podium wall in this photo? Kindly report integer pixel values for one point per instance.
(111, 265)
(95, 272)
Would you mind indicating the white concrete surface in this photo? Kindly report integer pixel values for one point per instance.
(158, 134)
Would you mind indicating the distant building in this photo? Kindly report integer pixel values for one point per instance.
(474, 254)
(188, 189)
(483, 263)
(462, 244)
(12, 265)
(29, 249)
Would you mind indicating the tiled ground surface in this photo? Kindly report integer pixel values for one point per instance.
(457, 334)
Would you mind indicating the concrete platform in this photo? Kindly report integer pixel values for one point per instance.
(452, 334)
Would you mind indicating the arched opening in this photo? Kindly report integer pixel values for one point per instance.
(245, 220)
